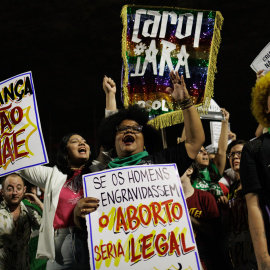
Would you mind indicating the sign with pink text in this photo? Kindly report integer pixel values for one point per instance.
(142, 221)
(21, 137)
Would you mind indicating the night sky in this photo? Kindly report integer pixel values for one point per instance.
(70, 45)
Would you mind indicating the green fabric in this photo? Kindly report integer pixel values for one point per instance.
(128, 161)
(35, 264)
(205, 183)
(206, 175)
(269, 130)
(26, 202)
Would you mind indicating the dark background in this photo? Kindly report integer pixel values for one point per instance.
(69, 45)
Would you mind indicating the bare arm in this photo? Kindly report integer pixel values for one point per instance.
(109, 88)
(193, 125)
(257, 231)
(259, 131)
(220, 157)
(232, 136)
(33, 198)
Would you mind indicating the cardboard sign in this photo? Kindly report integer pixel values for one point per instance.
(21, 137)
(215, 129)
(262, 61)
(142, 221)
(158, 40)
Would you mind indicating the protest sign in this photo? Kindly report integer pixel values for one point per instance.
(262, 61)
(215, 129)
(157, 40)
(21, 140)
(142, 221)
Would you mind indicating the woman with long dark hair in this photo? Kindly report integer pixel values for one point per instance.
(60, 240)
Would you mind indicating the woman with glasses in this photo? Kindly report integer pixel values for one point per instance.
(135, 142)
(235, 217)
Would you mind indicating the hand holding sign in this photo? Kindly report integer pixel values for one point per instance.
(142, 220)
(86, 206)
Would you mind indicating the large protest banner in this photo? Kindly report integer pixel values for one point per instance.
(21, 141)
(157, 40)
(142, 221)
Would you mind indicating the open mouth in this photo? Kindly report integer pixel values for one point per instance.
(128, 139)
(82, 150)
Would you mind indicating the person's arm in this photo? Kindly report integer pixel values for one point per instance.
(37, 175)
(257, 231)
(193, 126)
(231, 136)
(259, 131)
(109, 88)
(33, 198)
(220, 157)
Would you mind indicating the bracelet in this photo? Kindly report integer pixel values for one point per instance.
(186, 103)
(187, 106)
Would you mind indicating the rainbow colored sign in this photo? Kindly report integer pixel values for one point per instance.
(157, 40)
(21, 140)
(142, 221)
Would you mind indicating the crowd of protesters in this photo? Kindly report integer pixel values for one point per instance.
(230, 199)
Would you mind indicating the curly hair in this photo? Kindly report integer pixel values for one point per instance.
(259, 96)
(62, 161)
(107, 129)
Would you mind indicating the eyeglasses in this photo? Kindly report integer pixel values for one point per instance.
(232, 154)
(136, 129)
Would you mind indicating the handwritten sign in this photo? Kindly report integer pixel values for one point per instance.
(262, 61)
(142, 221)
(157, 40)
(215, 129)
(21, 141)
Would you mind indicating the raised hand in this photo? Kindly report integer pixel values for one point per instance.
(33, 198)
(225, 114)
(109, 85)
(179, 91)
(259, 74)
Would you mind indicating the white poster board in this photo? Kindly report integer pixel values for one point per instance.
(215, 129)
(262, 61)
(21, 138)
(142, 221)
